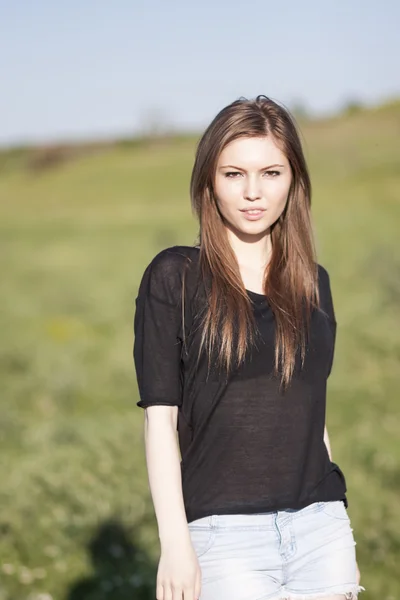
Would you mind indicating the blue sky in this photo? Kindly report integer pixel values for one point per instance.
(96, 69)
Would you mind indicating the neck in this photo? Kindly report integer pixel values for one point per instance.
(252, 250)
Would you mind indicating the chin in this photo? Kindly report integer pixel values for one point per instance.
(253, 228)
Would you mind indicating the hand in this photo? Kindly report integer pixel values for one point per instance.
(179, 574)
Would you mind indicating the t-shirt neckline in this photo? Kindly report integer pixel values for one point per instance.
(256, 295)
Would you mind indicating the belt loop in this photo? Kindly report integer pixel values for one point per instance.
(213, 521)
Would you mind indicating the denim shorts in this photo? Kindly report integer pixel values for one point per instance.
(293, 554)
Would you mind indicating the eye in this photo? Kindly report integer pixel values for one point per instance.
(273, 173)
(231, 174)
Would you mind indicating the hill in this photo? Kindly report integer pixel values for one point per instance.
(76, 234)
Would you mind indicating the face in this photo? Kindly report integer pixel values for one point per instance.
(251, 185)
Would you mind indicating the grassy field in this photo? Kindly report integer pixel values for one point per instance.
(76, 520)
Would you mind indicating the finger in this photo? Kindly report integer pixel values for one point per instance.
(167, 592)
(177, 593)
(190, 594)
(197, 585)
(160, 592)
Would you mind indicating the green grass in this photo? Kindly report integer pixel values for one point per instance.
(77, 520)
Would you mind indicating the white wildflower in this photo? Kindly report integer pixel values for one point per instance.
(8, 569)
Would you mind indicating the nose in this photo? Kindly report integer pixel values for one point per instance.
(252, 188)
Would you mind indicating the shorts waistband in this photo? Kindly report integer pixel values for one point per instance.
(265, 520)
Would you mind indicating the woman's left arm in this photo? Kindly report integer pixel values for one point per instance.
(327, 443)
(328, 447)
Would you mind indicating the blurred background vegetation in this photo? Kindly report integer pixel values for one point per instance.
(78, 225)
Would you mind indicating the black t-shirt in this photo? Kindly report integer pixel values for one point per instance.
(245, 447)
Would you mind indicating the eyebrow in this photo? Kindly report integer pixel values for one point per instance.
(239, 169)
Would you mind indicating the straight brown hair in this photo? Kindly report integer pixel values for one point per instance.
(291, 277)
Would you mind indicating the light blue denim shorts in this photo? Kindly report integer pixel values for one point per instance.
(293, 554)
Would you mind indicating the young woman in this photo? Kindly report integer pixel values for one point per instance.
(234, 342)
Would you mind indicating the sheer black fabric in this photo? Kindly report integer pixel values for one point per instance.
(245, 447)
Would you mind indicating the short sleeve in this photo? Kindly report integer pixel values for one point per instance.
(327, 306)
(158, 332)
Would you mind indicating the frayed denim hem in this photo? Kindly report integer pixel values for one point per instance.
(349, 592)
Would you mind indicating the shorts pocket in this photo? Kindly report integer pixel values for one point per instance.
(335, 509)
(202, 536)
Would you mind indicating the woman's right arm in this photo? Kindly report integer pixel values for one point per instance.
(157, 354)
(178, 572)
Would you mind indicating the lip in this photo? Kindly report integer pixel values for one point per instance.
(253, 208)
(253, 217)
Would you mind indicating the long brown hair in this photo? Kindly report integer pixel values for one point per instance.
(291, 277)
